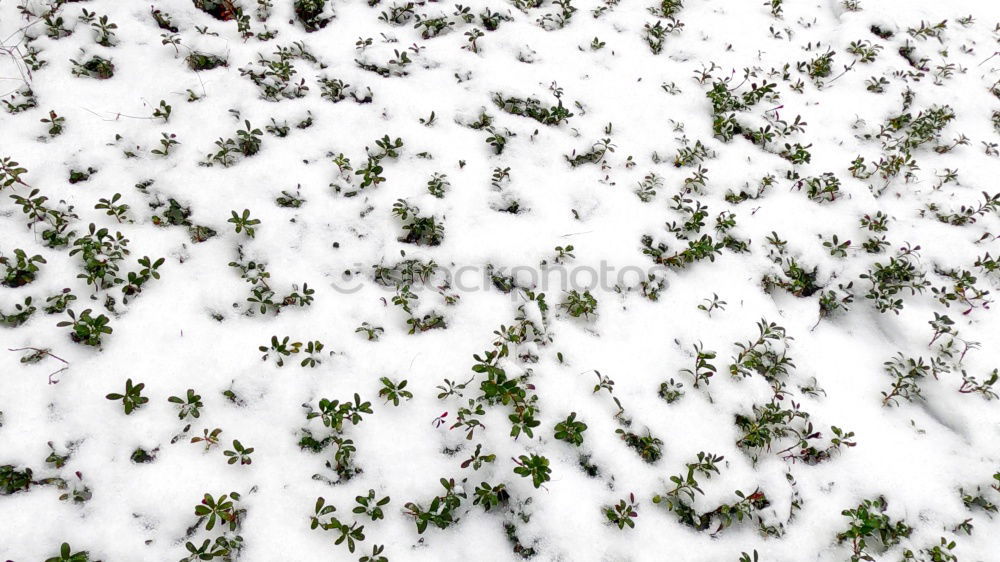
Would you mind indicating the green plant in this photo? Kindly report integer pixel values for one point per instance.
(697, 250)
(351, 534)
(312, 352)
(937, 553)
(280, 349)
(77, 176)
(132, 399)
(66, 554)
(34, 208)
(112, 208)
(167, 141)
(420, 230)
(210, 438)
(376, 555)
(221, 509)
(490, 496)
(680, 497)
(10, 173)
(309, 13)
(13, 480)
(536, 467)
(334, 89)
(372, 332)
(55, 25)
(343, 463)
(971, 384)
(56, 459)
(87, 329)
(533, 108)
(579, 304)
(223, 547)
(163, 111)
(393, 391)
(101, 253)
(864, 50)
(321, 510)
(603, 383)
(368, 506)
(289, 201)
(478, 459)
(104, 29)
(648, 186)
(963, 291)
(822, 188)
(655, 35)
(837, 248)
(22, 312)
(248, 140)
(768, 423)
(333, 413)
(703, 370)
(21, 100)
(745, 507)
(239, 453)
(907, 374)
(473, 35)
(810, 454)
(564, 254)
(870, 531)
(370, 173)
(95, 67)
(262, 296)
(244, 223)
(21, 270)
(136, 280)
(570, 430)
(141, 456)
(795, 279)
(623, 513)
(433, 27)
(647, 446)
(437, 185)
(497, 139)
(441, 512)
(767, 355)
(671, 391)
(686, 486)
(204, 61)
(715, 303)
(55, 122)
(796, 153)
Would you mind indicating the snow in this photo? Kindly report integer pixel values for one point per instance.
(191, 327)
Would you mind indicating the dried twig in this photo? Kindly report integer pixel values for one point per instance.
(41, 353)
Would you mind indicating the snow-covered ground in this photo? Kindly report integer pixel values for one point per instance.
(750, 246)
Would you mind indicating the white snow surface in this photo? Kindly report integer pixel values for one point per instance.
(193, 328)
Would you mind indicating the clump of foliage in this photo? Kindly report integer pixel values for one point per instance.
(20, 269)
(94, 67)
(533, 108)
(425, 230)
(870, 531)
